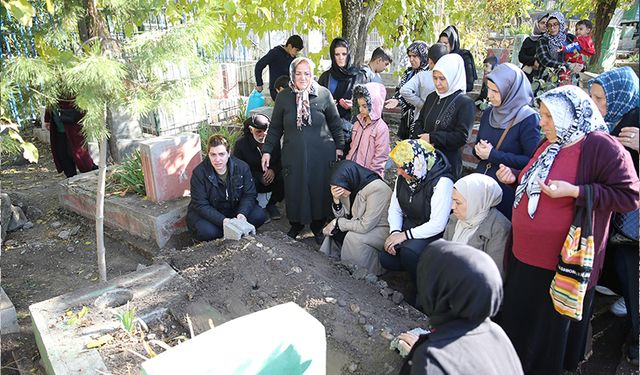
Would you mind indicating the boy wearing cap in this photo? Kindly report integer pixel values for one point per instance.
(248, 148)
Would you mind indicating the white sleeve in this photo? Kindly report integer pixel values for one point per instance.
(410, 91)
(440, 209)
(394, 215)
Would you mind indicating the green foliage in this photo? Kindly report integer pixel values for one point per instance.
(128, 319)
(230, 132)
(549, 81)
(128, 176)
(204, 131)
(11, 143)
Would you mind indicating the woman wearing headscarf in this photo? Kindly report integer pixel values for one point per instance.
(577, 153)
(417, 52)
(306, 116)
(360, 205)
(416, 90)
(447, 115)
(550, 43)
(419, 206)
(460, 289)
(451, 38)
(510, 114)
(527, 54)
(370, 138)
(475, 221)
(616, 94)
(340, 79)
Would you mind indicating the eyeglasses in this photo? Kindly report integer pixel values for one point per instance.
(553, 24)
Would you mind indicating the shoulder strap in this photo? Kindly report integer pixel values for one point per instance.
(504, 134)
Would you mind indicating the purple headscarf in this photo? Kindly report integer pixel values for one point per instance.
(517, 96)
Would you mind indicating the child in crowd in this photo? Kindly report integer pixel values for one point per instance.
(281, 83)
(581, 48)
(489, 64)
(370, 134)
(380, 60)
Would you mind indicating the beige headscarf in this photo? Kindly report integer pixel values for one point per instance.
(303, 109)
(482, 193)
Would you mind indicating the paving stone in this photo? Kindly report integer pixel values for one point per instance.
(8, 317)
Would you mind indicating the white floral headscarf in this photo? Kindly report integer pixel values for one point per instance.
(303, 109)
(574, 115)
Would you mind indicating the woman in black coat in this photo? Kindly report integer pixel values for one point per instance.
(306, 117)
(527, 54)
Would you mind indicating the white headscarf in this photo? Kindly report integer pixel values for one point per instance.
(574, 115)
(481, 193)
(303, 109)
(452, 67)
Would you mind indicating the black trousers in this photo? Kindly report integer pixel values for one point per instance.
(204, 230)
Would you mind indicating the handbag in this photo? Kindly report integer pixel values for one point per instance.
(569, 285)
(502, 137)
(625, 227)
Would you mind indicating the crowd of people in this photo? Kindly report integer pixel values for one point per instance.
(484, 251)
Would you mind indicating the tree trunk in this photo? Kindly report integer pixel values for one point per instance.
(604, 12)
(97, 31)
(102, 173)
(357, 16)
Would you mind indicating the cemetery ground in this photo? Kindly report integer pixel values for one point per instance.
(224, 280)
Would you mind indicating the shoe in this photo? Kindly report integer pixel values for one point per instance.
(631, 354)
(293, 233)
(604, 290)
(273, 211)
(618, 308)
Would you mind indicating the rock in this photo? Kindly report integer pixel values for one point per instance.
(65, 234)
(386, 292)
(140, 267)
(34, 213)
(5, 214)
(151, 336)
(369, 329)
(27, 225)
(371, 278)
(353, 367)
(274, 294)
(362, 320)
(330, 300)
(366, 314)
(71, 249)
(56, 225)
(397, 297)
(162, 328)
(386, 333)
(19, 199)
(296, 269)
(354, 308)
(263, 295)
(73, 231)
(17, 220)
(360, 273)
(11, 243)
(342, 303)
(382, 284)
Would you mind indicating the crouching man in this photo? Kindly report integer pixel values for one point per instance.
(249, 149)
(222, 188)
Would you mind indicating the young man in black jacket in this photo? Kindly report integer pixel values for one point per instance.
(278, 59)
(222, 188)
(248, 148)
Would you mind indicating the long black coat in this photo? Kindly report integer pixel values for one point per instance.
(307, 154)
(248, 150)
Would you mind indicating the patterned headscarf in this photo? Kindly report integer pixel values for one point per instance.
(574, 115)
(421, 49)
(416, 157)
(303, 109)
(621, 91)
(560, 39)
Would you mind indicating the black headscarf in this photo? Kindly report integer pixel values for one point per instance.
(457, 282)
(436, 51)
(451, 32)
(352, 176)
(341, 73)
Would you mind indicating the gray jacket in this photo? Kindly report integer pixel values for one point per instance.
(491, 237)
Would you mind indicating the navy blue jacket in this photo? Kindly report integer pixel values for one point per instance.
(213, 200)
(278, 60)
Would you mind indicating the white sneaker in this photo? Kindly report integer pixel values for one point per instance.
(618, 308)
(604, 290)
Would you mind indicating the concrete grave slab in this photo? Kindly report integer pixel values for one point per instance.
(8, 318)
(153, 222)
(284, 339)
(63, 346)
(168, 162)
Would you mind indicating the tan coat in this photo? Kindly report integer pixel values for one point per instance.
(367, 229)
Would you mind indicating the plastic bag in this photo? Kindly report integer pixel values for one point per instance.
(256, 100)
